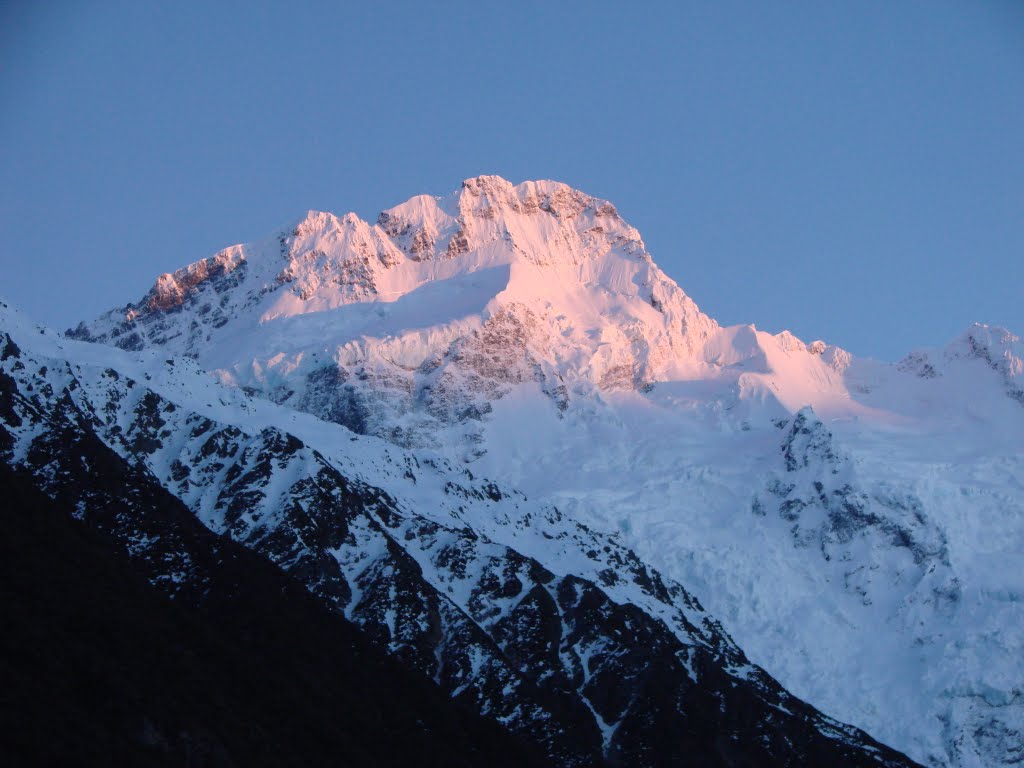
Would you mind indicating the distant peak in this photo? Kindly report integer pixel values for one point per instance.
(488, 196)
(979, 336)
(997, 346)
(484, 183)
(991, 333)
(313, 222)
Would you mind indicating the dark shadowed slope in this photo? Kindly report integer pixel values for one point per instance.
(101, 668)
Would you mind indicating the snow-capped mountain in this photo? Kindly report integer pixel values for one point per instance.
(420, 322)
(855, 525)
(589, 654)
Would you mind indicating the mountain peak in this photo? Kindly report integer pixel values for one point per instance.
(998, 348)
(495, 198)
(989, 335)
(994, 344)
(483, 195)
(449, 273)
(312, 220)
(485, 182)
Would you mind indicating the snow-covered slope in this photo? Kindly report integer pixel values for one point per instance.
(589, 654)
(856, 525)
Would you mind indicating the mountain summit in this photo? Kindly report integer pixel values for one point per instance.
(546, 233)
(444, 302)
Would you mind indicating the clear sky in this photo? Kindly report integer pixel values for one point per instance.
(852, 171)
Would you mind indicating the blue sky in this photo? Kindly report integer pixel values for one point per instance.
(849, 171)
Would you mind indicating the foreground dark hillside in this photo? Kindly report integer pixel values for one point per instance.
(100, 668)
